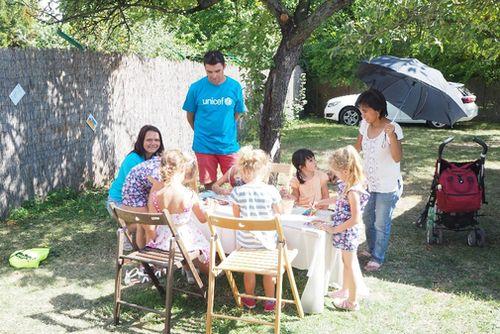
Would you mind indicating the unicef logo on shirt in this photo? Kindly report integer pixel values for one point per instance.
(217, 102)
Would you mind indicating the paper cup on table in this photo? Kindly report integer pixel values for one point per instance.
(287, 206)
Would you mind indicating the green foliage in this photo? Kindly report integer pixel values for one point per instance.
(17, 25)
(458, 37)
(147, 37)
(245, 31)
(39, 205)
(297, 107)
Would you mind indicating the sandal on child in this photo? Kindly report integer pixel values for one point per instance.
(338, 294)
(136, 275)
(160, 272)
(372, 266)
(131, 276)
(346, 305)
(144, 277)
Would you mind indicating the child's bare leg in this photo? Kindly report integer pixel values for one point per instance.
(249, 282)
(268, 282)
(347, 259)
(132, 228)
(145, 234)
(140, 237)
(358, 277)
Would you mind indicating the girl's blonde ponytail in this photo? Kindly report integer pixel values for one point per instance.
(348, 159)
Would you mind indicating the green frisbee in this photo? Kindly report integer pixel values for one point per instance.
(28, 258)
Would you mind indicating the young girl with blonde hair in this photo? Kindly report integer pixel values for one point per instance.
(181, 202)
(346, 164)
(255, 199)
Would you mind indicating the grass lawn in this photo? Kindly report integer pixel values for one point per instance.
(450, 288)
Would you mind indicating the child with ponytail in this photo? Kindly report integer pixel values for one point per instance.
(181, 202)
(345, 163)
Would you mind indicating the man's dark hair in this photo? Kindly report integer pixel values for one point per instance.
(139, 144)
(213, 58)
(374, 99)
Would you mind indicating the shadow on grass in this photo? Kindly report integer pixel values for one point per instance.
(79, 232)
(188, 313)
(452, 267)
(82, 238)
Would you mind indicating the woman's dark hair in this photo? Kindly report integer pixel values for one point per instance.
(299, 158)
(139, 144)
(374, 99)
(213, 58)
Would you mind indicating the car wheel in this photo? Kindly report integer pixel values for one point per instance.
(350, 116)
(436, 125)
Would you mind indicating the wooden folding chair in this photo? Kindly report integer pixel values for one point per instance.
(279, 169)
(258, 261)
(172, 259)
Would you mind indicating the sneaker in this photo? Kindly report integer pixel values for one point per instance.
(346, 305)
(339, 294)
(249, 303)
(270, 305)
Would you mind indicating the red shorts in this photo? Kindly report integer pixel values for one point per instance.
(208, 163)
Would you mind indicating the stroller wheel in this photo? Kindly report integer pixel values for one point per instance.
(480, 237)
(471, 238)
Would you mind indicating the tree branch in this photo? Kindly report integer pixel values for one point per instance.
(302, 10)
(202, 5)
(98, 8)
(305, 28)
(279, 11)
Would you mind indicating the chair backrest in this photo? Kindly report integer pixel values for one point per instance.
(127, 217)
(245, 224)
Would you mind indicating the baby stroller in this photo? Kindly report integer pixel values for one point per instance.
(457, 193)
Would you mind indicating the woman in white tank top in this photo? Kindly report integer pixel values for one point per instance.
(380, 141)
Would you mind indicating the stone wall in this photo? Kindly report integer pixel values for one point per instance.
(45, 143)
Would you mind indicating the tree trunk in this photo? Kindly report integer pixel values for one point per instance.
(271, 118)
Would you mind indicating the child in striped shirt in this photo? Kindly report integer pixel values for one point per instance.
(255, 199)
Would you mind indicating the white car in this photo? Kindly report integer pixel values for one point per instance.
(343, 109)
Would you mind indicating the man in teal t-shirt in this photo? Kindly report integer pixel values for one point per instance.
(213, 105)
